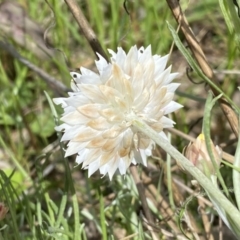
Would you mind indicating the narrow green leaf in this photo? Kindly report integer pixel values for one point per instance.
(206, 130)
(195, 67)
(102, 216)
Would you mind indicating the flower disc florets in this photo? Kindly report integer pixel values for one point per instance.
(97, 114)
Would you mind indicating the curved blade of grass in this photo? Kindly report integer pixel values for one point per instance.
(233, 15)
(69, 181)
(206, 131)
(169, 178)
(231, 166)
(180, 216)
(226, 16)
(195, 67)
(61, 210)
(76, 218)
(51, 209)
(8, 192)
(102, 216)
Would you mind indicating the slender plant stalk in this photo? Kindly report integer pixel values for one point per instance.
(85, 27)
(235, 19)
(141, 192)
(206, 130)
(169, 178)
(102, 215)
(190, 168)
(226, 16)
(202, 61)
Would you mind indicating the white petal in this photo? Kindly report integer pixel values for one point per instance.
(92, 156)
(73, 118)
(82, 154)
(92, 92)
(62, 127)
(77, 101)
(171, 107)
(166, 122)
(122, 166)
(146, 55)
(172, 87)
(131, 61)
(101, 63)
(72, 133)
(76, 76)
(74, 147)
(60, 101)
(90, 110)
(93, 167)
(171, 77)
(160, 64)
(113, 165)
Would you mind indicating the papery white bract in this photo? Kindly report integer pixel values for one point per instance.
(97, 113)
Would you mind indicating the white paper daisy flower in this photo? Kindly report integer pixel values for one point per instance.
(97, 113)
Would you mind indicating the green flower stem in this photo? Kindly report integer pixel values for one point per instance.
(190, 168)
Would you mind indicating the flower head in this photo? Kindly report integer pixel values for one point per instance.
(198, 154)
(97, 114)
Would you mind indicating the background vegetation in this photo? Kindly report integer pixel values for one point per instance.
(50, 199)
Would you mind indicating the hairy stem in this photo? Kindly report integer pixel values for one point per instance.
(206, 183)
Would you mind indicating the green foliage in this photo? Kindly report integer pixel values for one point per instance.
(48, 200)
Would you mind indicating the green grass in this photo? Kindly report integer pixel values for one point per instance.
(47, 197)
